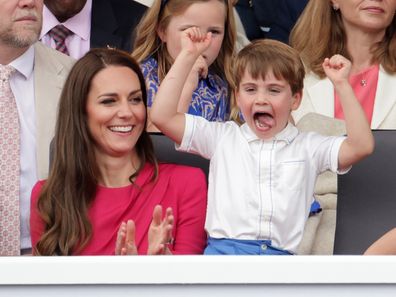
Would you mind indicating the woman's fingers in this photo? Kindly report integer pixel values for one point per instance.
(130, 238)
(169, 215)
(167, 229)
(160, 232)
(125, 242)
(157, 214)
(121, 237)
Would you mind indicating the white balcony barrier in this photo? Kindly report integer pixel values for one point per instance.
(335, 276)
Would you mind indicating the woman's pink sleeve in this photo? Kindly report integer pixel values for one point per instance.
(36, 223)
(190, 236)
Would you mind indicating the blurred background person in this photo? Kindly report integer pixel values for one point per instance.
(32, 77)
(362, 31)
(268, 18)
(75, 26)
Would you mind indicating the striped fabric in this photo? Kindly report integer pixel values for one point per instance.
(59, 34)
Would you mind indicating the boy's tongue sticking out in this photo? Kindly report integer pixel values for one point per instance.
(264, 120)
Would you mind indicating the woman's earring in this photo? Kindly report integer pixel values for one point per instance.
(336, 7)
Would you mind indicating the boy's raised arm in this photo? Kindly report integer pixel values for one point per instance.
(164, 109)
(359, 142)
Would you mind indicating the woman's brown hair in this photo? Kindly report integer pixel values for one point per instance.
(71, 186)
(320, 33)
(148, 44)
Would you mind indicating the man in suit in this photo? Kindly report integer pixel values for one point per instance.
(39, 73)
(90, 24)
(269, 18)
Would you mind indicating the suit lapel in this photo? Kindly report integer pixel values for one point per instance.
(321, 94)
(385, 98)
(320, 97)
(49, 76)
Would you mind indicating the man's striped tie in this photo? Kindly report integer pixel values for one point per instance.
(59, 34)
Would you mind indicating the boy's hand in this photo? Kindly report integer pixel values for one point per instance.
(195, 41)
(337, 69)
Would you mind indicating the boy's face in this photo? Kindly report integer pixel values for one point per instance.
(266, 104)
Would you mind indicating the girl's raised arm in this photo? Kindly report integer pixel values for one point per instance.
(164, 109)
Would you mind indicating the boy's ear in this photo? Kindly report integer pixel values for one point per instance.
(296, 100)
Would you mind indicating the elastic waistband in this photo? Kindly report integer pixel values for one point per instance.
(226, 246)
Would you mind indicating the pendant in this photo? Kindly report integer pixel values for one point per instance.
(363, 83)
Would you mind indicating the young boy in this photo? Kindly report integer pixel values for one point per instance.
(262, 173)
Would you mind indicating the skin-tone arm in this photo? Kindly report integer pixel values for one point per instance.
(164, 112)
(159, 235)
(199, 70)
(385, 245)
(360, 141)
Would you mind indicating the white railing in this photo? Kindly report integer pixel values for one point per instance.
(205, 276)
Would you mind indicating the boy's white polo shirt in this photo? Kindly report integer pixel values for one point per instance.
(259, 189)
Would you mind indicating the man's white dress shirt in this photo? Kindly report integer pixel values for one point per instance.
(22, 86)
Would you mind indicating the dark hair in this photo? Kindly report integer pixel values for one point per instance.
(163, 3)
(71, 186)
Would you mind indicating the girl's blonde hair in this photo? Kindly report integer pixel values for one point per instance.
(262, 56)
(320, 33)
(157, 18)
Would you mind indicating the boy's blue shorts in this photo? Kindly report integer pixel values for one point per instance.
(224, 246)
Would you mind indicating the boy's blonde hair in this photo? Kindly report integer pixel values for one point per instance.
(262, 56)
(157, 18)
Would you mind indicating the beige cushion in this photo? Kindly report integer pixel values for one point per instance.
(318, 238)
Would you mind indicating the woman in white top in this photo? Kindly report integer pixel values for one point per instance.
(364, 32)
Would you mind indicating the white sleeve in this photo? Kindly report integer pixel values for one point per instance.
(201, 136)
(326, 154)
